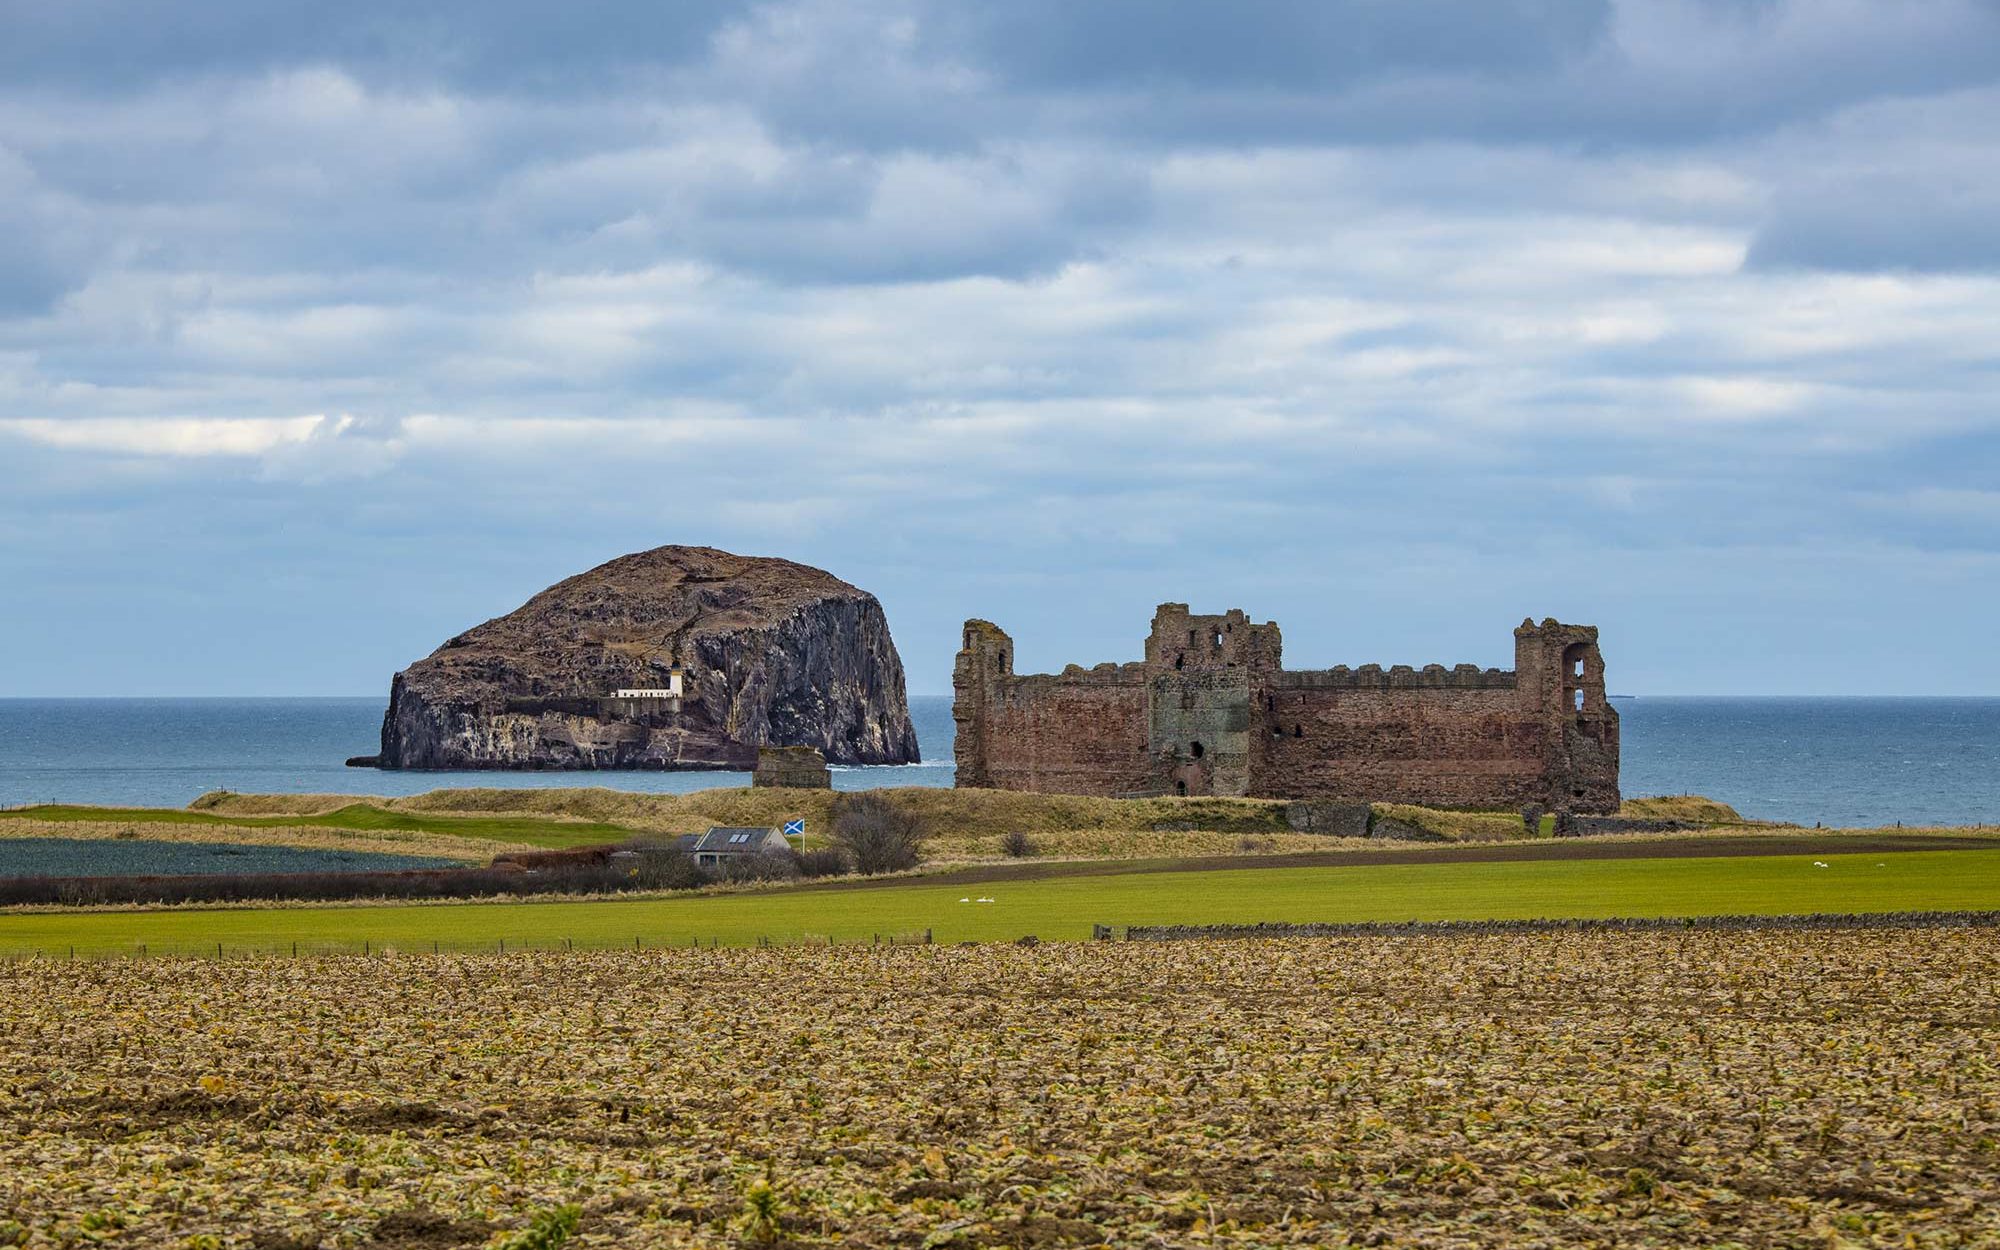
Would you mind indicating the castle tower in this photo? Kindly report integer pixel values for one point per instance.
(1560, 680)
(1199, 672)
(986, 658)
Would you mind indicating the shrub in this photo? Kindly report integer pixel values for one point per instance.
(759, 868)
(1016, 844)
(877, 834)
(825, 861)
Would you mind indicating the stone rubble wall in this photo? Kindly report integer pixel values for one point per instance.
(1647, 924)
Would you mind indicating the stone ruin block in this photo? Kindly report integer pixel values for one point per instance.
(791, 768)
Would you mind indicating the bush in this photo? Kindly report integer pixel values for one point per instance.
(1016, 844)
(877, 834)
(758, 868)
(825, 861)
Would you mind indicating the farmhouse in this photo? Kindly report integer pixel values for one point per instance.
(1211, 711)
(726, 843)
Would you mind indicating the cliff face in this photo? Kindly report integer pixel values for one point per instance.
(775, 653)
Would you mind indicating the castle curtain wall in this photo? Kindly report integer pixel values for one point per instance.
(1067, 735)
(1439, 746)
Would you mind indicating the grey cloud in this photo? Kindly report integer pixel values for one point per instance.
(120, 45)
(1934, 220)
(1307, 45)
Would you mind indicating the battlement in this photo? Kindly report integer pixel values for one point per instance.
(1398, 676)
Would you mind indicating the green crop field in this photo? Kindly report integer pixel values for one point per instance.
(1065, 908)
(359, 817)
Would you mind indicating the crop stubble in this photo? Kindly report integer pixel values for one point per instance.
(1561, 1089)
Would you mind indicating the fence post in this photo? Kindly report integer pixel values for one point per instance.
(927, 937)
(218, 950)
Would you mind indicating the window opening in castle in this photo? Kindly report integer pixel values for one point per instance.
(1298, 731)
(1180, 661)
(1579, 700)
(1218, 640)
(1197, 750)
(1180, 788)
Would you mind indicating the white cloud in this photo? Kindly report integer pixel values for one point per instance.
(170, 436)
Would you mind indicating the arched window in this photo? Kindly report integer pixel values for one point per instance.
(1197, 750)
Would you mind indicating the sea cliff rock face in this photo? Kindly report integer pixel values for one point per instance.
(775, 653)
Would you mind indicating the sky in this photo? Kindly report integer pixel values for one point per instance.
(328, 330)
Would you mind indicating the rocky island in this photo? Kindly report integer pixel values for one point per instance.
(678, 657)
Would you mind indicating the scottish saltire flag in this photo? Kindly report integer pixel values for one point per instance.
(795, 828)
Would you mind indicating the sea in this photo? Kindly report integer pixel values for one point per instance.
(1841, 762)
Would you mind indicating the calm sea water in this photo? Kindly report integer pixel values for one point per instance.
(1837, 761)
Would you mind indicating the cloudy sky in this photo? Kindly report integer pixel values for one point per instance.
(329, 329)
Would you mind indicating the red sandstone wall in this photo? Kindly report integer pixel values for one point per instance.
(1067, 736)
(1400, 745)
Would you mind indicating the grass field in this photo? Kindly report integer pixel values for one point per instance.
(1065, 908)
(533, 830)
(1522, 1090)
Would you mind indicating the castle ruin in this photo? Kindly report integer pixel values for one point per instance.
(1210, 711)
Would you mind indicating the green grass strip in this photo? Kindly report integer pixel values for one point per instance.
(360, 817)
(1065, 908)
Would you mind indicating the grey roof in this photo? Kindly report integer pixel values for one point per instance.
(737, 840)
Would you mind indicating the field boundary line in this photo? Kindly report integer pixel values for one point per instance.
(1473, 928)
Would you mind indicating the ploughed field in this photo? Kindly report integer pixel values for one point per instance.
(107, 857)
(1572, 1089)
